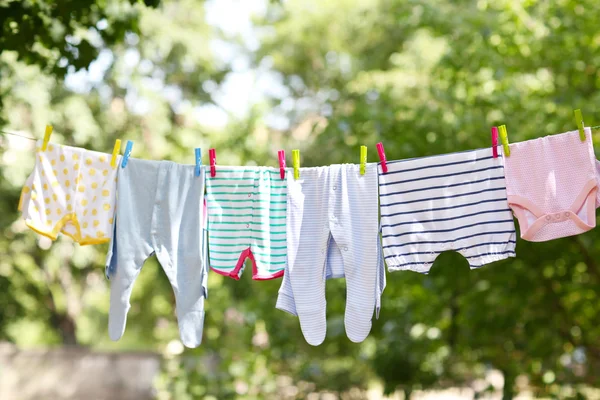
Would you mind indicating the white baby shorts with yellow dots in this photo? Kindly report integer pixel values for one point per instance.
(71, 191)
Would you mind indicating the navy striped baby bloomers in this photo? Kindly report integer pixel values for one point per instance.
(448, 202)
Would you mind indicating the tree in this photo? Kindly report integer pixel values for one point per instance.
(425, 78)
(63, 36)
(59, 35)
(57, 292)
(429, 78)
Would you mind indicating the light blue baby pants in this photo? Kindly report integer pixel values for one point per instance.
(159, 211)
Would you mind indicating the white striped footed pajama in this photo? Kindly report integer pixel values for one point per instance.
(333, 210)
(334, 269)
(449, 202)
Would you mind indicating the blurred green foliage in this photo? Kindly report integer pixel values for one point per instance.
(63, 36)
(56, 35)
(423, 77)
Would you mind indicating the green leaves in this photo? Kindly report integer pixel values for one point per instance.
(422, 77)
(49, 33)
(430, 78)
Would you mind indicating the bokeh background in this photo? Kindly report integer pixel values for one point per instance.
(250, 77)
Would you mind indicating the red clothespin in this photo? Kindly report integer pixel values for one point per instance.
(382, 158)
(281, 154)
(212, 156)
(495, 141)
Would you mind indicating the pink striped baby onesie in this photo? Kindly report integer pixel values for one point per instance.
(552, 185)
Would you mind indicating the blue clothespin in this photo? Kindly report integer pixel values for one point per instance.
(198, 151)
(127, 154)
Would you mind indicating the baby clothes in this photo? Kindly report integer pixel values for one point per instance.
(333, 207)
(70, 190)
(448, 202)
(334, 268)
(160, 211)
(246, 219)
(552, 185)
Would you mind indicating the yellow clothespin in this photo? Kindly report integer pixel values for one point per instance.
(579, 122)
(116, 149)
(296, 163)
(47, 135)
(504, 139)
(363, 159)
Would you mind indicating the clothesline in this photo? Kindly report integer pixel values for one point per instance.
(18, 135)
(597, 127)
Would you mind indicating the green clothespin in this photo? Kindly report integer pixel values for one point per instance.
(504, 139)
(115, 153)
(363, 159)
(296, 163)
(47, 135)
(579, 122)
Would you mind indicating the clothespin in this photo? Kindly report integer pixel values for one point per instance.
(495, 141)
(504, 139)
(296, 163)
(125, 158)
(212, 156)
(281, 155)
(198, 152)
(363, 159)
(47, 135)
(579, 122)
(116, 149)
(382, 158)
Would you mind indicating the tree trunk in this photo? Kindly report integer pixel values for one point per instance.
(508, 391)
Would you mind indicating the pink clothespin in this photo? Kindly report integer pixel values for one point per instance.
(212, 156)
(382, 158)
(281, 154)
(495, 141)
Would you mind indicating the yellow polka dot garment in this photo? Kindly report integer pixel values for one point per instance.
(71, 191)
